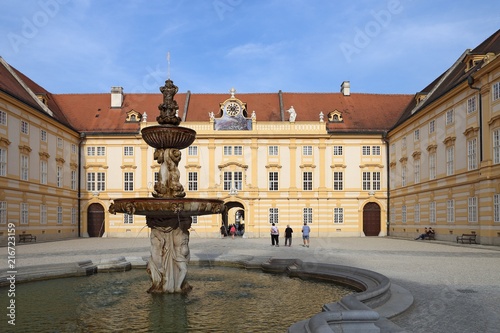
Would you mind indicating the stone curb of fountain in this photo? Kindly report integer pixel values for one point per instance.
(367, 311)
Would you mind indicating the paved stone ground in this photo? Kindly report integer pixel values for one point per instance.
(456, 287)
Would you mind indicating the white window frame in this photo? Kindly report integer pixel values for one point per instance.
(74, 215)
(128, 218)
(376, 150)
(366, 150)
(43, 172)
(25, 127)
(432, 166)
(59, 176)
(472, 209)
(96, 181)
(273, 179)
(273, 215)
(472, 154)
(273, 150)
(432, 212)
(416, 213)
(228, 150)
(496, 208)
(338, 215)
(307, 150)
(101, 151)
(3, 118)
(43, 214)
(416, 135)
(338, 180)
(496, 146)
(128, 151)
(24, 218)
(60, 142)
(496, 91)
(472, 104)
(59, 215)
(192, 181)
(90, 151)
(3, 212)
(3, 162)
(73, 179)
(450, 117)
(307, 181)
(450, 211)
(338, 150)
(403, 214)
(450, 160)
(416, 171)
(432, 126)
(43, 135)
(238, 150)
(25, 163)
(307, 215)
(193, 151)
(128, 181)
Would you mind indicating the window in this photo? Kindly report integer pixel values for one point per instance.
(59, 215)
(338, 215)
(128, 181)
(403, 142)
(24, 167)
(403, 214)
(74, 215)
(3, 118)
(416, 171)
(238, 150)
(366, 181)
(450, 115)
(59, 176)
(73, 148)
(371, 181)
(43, 135)
(392, 214)
(273, 150)
(337, 150)
(432, 212)
(59, 142)
(193, 150)
(338, 181)
(307, 150)
(101, 151)
(496, 91)
(366, 150)
(432, 126)
(416, 214)
(472, 154)
(24, 213)
(472, 209)
(416, 135)
(307, 184)
(43, 214)
(25, 127)
(376, 181)
(273, 215)
(392, 175)
(128, 151)
(228, 150)
(496, 146)
(496, 208)
(471, 105)
(376, 150)
(73, 179)
(307, 215)
(233, 181)
(432, 166)
(3, 212)
(450, 211)
(128, 219)
(403, 175)
(43, 172)
(450, 154)
(192, 181)
(96, 181)
(273, 181)
(194, 219)
(3, 162)
(90, 151)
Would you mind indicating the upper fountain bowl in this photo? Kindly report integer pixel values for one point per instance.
(168, 136)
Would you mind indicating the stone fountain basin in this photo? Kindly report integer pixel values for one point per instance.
(168, 136)
(166, 208)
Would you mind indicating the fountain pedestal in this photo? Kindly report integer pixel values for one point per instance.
(168, 213)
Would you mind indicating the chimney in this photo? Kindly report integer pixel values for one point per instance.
(116, 97)
(345, 88)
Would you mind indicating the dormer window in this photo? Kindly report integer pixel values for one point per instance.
(472, 60)
(335, 117)
(133, 117)
(43, 98)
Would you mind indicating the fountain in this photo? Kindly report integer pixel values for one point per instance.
(168, 213)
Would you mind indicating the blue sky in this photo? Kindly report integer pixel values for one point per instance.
(392, 46)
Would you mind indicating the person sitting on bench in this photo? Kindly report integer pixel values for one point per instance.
(427, 233)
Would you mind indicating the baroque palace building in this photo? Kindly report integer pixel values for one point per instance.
(348, 164)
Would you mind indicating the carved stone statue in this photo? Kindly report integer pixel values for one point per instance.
(169, 108)
(292, 113)
(168, 178)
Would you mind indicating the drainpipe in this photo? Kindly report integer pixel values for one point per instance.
(82, 138)
(470, 81)
(387, 161)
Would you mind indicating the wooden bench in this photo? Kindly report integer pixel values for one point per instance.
(26, 237)
(471, 238)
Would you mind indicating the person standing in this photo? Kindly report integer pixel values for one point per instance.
(288, 235)
(275, 234)
(232, 231)
(305, 234)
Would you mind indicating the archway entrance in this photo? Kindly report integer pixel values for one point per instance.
(371, 219)
(236, 216)
(95, 220)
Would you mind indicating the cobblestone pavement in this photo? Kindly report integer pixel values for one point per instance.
(456, 287)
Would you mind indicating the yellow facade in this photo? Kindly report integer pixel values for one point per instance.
(448, 175)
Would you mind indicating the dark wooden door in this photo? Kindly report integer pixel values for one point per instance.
(95, 220)
(371, 219)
